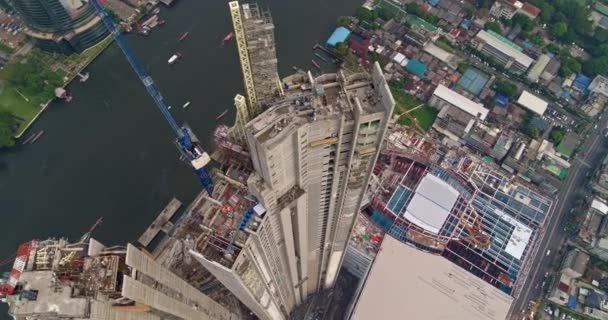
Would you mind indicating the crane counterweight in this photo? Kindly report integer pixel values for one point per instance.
(188, 144)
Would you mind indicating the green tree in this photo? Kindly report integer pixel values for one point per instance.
(523, 21)
(505, 87)
(559, 29)
(557, 135)
(569, 66)
(532, 132)
(462, 67)
(344, 21)
(385, 14)
(8, 127)
(493, 26)
(595, 66)
(342, 49)
(366, 15)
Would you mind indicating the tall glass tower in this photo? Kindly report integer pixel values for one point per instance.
(61, 25)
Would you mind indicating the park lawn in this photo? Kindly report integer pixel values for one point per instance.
(11, 101)
(425, 115)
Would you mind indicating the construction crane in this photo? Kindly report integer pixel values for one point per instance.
(186, 141)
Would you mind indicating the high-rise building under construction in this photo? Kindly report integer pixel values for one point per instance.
(312, 152)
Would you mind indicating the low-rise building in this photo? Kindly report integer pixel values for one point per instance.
(532, 103)
(502, 50)
(575, 263)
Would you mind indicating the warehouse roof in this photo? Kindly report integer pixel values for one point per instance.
(538, 67)
(505, 46)
(405, 282)
(460, 101)
(532, 102)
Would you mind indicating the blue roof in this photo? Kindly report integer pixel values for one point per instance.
(416, 67)
(501, 100)
(466, 23)
(339, 35)
(571, 302)
(434, 3)
(581, 82)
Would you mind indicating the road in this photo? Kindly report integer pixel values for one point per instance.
(592, 151)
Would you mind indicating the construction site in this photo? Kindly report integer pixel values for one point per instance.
(449, 202)
(58, 279)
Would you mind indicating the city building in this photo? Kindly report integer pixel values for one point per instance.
(56, 279)
(458, 231)
(61, 26)
(457, 113)
(538, 67)
(503, 50)
(254, 33)
(312, 152)
(508, 8)
(532, 103)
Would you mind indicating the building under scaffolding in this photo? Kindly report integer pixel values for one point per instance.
(254, 34)
(448, 204)
(55, 279)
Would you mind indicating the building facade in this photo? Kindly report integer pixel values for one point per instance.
(61, 26)
(312, 153)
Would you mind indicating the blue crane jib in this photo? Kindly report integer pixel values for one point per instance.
(187, 142)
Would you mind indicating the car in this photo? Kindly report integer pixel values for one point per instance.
(548, 252)
(595, 126)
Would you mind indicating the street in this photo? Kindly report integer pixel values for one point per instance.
(592, 152)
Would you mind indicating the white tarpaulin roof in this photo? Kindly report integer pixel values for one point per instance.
(431, 204)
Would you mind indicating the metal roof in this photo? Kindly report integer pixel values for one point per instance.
(538, 67)
(431, 204)
(532, 102)
(505, 46)
(460, 101)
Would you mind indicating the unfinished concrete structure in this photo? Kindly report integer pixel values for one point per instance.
(283, 236)
(55, 279)
(254, 33)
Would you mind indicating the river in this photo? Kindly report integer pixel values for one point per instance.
(109, 152)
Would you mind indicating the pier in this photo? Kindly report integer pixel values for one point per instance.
(160, 223)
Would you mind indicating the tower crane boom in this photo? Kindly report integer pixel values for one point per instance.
(186, 141)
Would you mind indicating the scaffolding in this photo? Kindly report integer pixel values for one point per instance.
(254, 33)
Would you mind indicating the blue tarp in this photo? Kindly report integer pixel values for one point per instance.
(416, 67)
(571, 302)
(339, 35)
(501, 100)
(466, 23)
(581, 82)
(434, 3)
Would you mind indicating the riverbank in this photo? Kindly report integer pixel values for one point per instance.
(90, 54)
(27, 105)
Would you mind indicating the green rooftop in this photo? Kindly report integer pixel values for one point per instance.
(414, 20)
(601, 8)
(505, 40)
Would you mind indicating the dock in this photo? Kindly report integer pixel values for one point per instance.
(160, 223)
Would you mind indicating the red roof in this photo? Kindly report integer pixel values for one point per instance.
(531, 9)
(563, 287)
